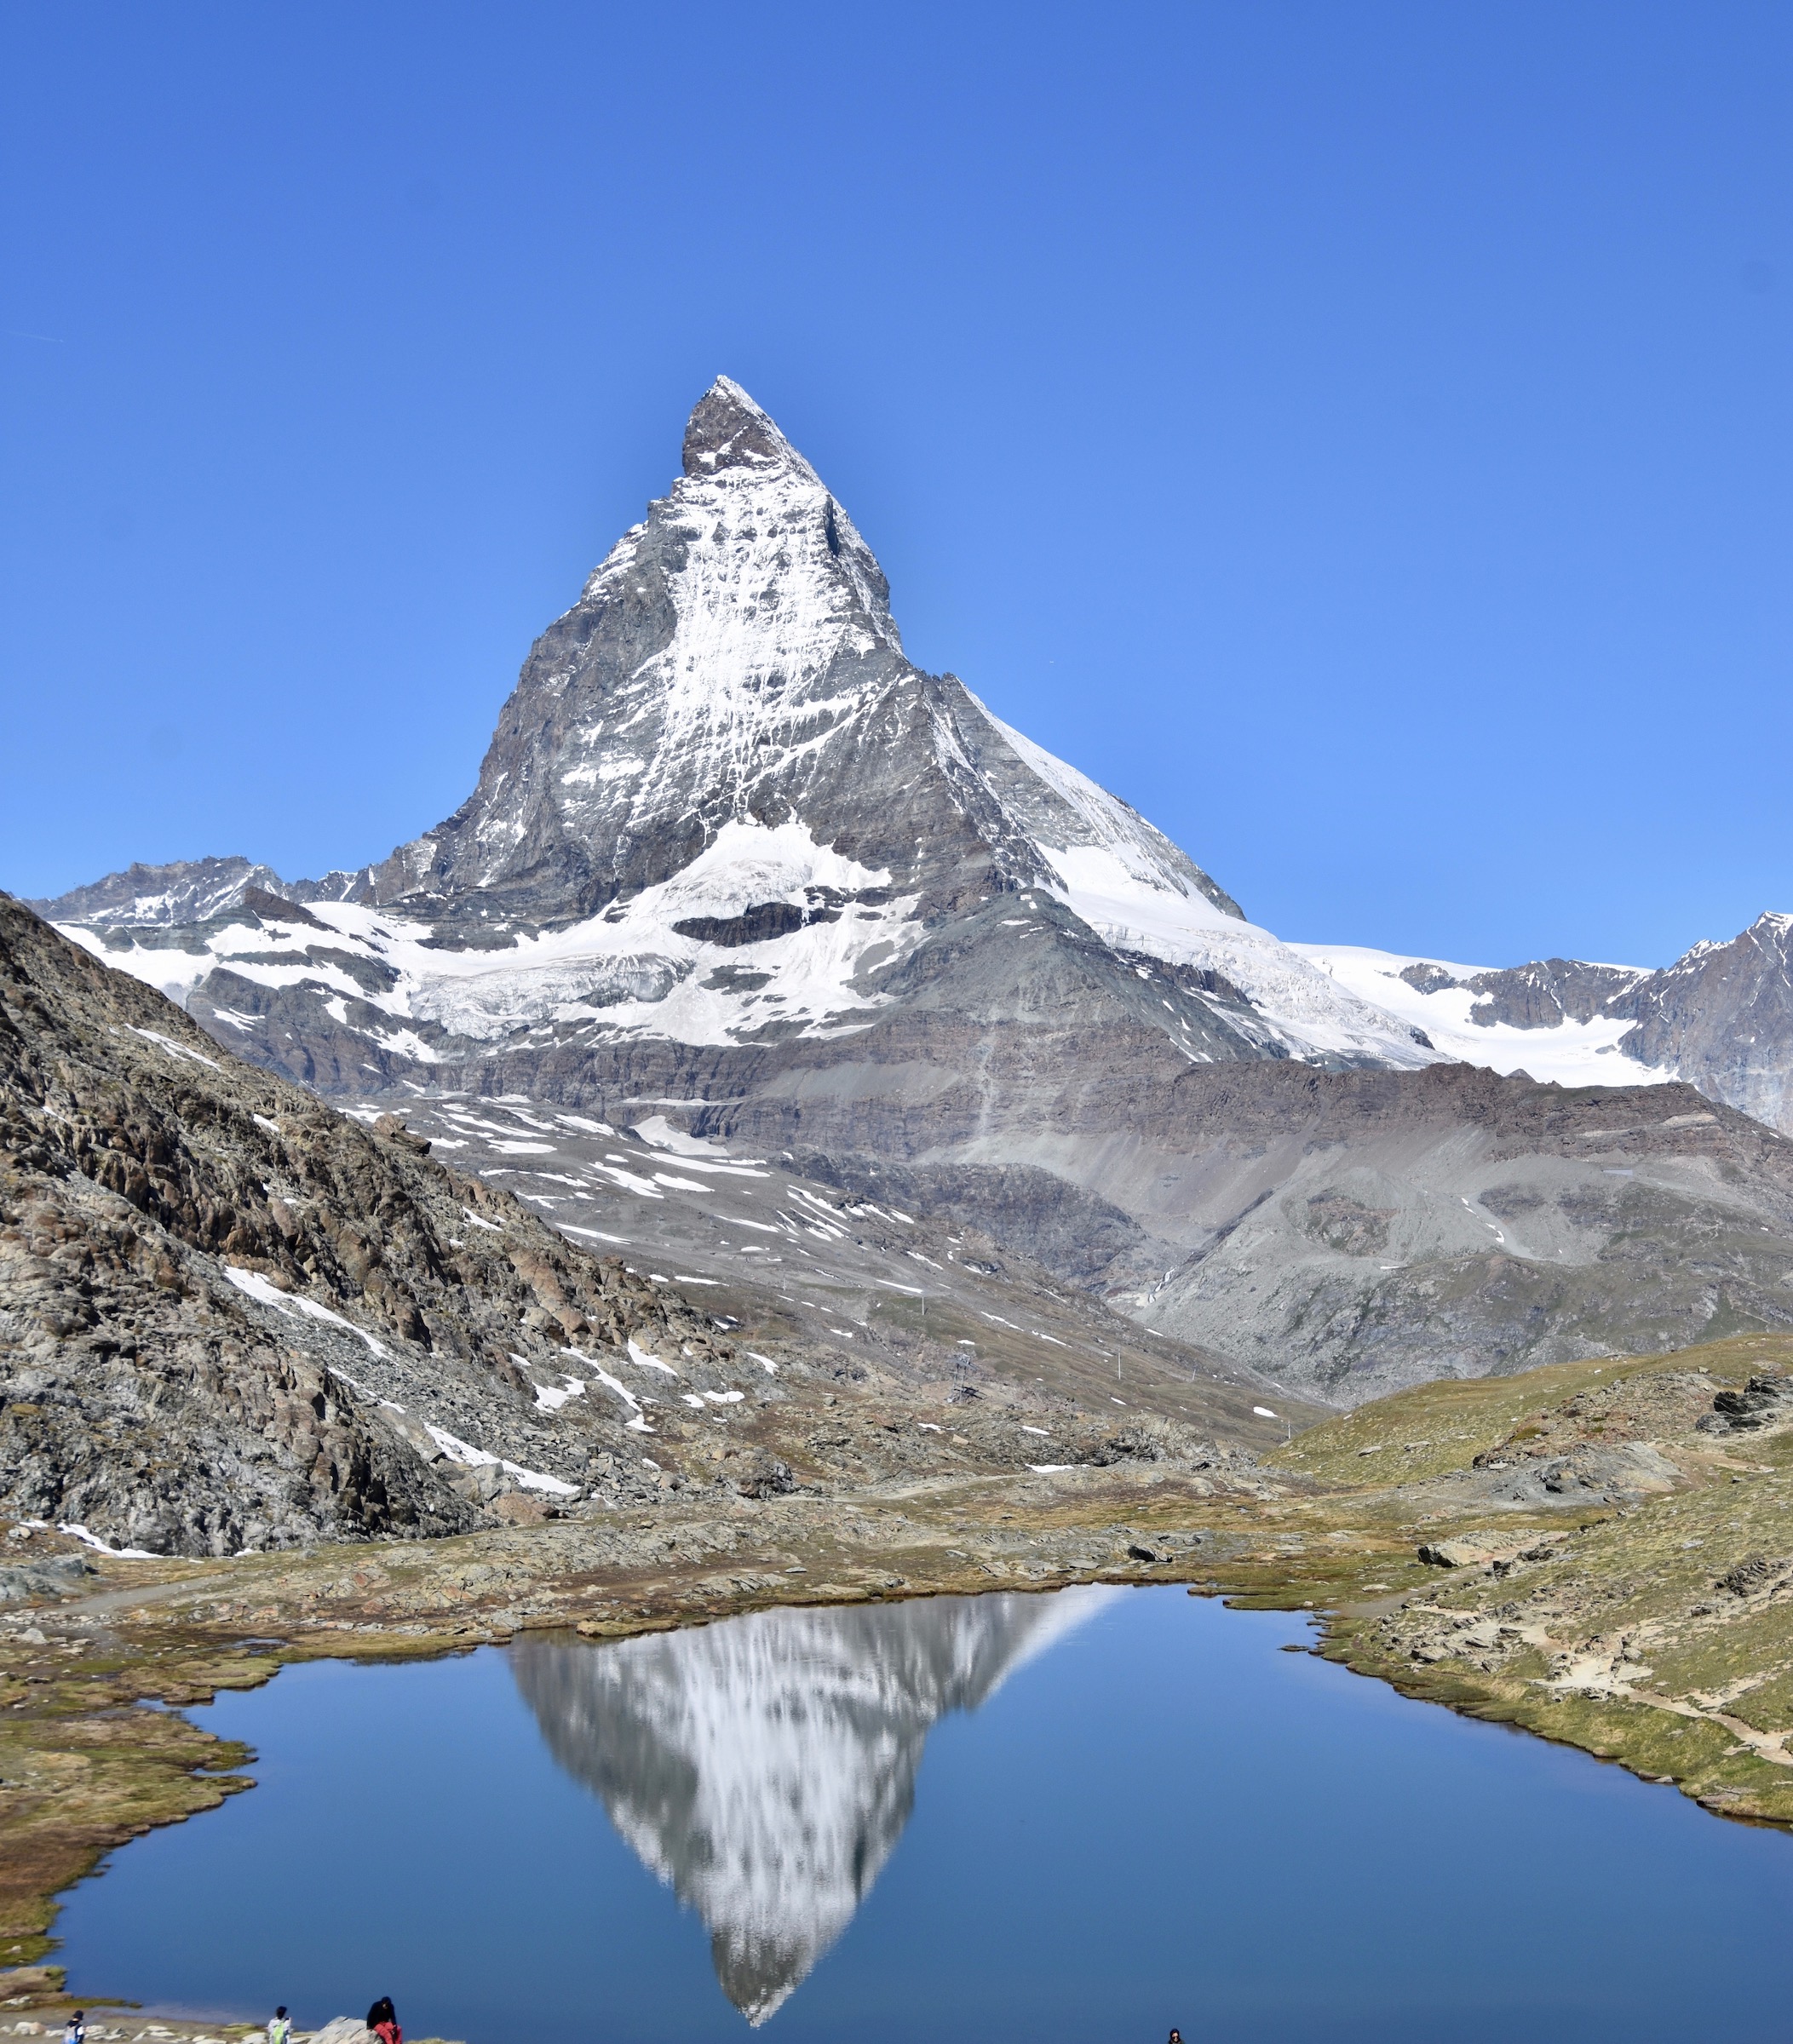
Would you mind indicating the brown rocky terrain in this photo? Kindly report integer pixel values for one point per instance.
(152, 1396)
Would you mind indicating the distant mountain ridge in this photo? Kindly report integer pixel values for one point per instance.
(1720, 1018)
(189, 892)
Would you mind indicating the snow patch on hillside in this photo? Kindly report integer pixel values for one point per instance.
(628, 970)
(1311, 1011)
(1572, 1054)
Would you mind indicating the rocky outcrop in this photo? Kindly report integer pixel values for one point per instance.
(344, 2030)
(51, 1575)
(1767, 1400)
(205, 1273)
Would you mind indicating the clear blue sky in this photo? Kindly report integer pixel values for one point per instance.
(1359, 434)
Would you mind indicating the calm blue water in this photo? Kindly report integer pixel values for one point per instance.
(1083, 1817)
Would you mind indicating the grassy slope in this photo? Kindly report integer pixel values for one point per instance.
(1619, 1638)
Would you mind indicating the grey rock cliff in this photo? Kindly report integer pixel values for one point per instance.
(1721, 1018)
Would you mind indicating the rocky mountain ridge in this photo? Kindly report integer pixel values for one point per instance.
(1720, 1018)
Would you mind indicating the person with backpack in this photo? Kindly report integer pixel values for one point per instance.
(75, 2031)
(280, 2030)
(384, 2021)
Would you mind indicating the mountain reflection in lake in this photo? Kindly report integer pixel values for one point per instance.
(764, 1768)
(1164, 1820)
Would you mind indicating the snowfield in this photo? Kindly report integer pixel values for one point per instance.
(1572, 1054)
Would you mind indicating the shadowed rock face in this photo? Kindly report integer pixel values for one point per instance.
(765, 1767)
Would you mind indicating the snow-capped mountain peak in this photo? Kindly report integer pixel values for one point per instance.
(720, 806)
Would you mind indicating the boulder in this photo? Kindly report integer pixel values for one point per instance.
(55, 1575)
(521, 1508)
(1764, 1401)
(1485, 1550)
(1457, 1553)
(344, 2030)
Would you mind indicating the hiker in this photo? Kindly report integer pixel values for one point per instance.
(280, 2030)
(382, 2020)
(76, 2032)
(1176, 2036)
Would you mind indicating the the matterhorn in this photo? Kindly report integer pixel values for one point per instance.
(734, 863)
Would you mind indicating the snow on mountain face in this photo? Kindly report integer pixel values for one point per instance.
(715, 653)
(1126, 879)
(1469, 1012)
(630, 969)
(1720, 1018)
(158, 897)
(721, 807)
(765, 1767)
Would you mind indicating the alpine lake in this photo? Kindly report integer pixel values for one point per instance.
(1078, 1817)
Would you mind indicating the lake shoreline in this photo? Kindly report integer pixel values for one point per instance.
(86, 1768)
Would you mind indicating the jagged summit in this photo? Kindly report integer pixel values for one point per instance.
(727, 430)
(717, 658)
